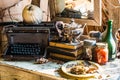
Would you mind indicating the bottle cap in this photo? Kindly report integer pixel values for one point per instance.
(110, 21)
(101, 44)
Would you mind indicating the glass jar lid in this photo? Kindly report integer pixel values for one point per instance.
(101, 44)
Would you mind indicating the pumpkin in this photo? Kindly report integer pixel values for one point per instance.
(32, 14)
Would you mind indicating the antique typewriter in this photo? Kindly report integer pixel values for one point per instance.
(26, 42)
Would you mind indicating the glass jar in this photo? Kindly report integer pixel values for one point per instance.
(88, 49)
(101, 53)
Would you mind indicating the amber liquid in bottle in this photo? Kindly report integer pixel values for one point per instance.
(111, 42)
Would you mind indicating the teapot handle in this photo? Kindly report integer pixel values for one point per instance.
(59, 27)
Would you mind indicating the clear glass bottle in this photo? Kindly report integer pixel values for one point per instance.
(110, 41)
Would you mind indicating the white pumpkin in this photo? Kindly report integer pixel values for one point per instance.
(32, 14)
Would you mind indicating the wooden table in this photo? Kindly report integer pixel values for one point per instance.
(27, 70)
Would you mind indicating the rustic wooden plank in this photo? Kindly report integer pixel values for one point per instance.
(44, 7)
(98, 12)
(26, 74)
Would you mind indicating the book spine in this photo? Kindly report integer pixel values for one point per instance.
(62, 45)
(62, 57)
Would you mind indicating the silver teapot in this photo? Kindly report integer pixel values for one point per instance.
(69, 32)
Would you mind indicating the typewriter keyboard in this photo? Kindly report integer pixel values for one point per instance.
(24, 49)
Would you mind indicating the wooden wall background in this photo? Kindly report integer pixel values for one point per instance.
(111, 10)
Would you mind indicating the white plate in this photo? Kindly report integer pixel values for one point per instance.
(67, 66)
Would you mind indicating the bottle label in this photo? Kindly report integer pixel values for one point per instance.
(113, 56)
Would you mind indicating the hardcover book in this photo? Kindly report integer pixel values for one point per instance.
(67, 52)
(66, 45)
(62, 57)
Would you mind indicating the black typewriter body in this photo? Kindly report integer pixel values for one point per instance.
(26, 42)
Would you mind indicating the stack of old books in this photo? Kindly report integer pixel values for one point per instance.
(65, 51)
